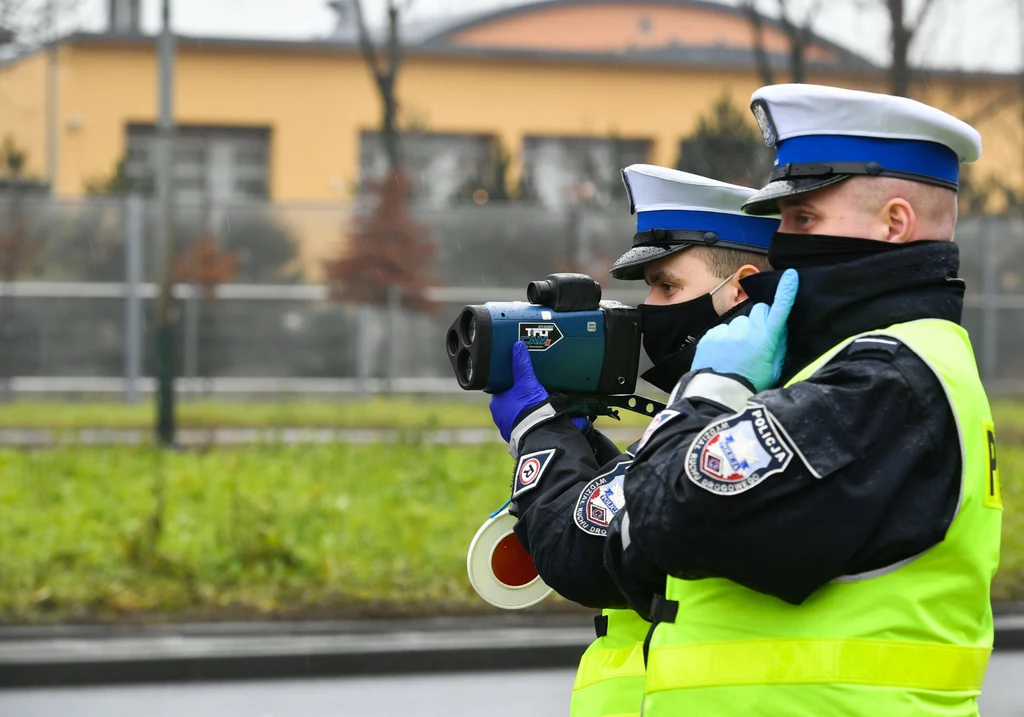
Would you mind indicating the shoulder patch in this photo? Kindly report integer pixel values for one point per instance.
(657, 422)
(529, 470)
(735, 454)
(600, 501)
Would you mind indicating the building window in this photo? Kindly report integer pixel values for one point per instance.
(564, 171)
(217, 164)
(445, 168)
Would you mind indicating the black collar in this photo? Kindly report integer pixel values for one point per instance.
(837, 301)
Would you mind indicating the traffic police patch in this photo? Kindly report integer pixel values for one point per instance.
(737, 453)
(600, 501)
(529, 470)
(657, 422)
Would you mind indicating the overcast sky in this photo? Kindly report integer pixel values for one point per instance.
(968, 34)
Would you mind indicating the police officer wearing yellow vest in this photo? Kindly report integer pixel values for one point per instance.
(693, 246)
(822, 489)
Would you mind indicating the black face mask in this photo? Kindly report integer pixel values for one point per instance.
(671, 333)
(666, 372)
(803, 251)
(668, 329)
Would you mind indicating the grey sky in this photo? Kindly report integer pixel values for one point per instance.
(968, 34)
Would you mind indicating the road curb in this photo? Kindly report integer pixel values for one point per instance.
(46, 657)
(173, 658)
(1009, 631)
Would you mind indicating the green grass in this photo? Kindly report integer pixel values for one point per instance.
(1009, 582)
(1009, 420)
(103, 533)
(404, 412)
(132, 533)
(398, 412)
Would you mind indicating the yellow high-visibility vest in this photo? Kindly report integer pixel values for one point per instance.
(911, 639)
(610, 679)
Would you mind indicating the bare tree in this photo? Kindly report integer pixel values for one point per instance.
(27, 24)
(761, 58)
(384, 66)
(902, 35)
(387, 259)
(799, 33)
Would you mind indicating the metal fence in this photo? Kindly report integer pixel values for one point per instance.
(77, 305)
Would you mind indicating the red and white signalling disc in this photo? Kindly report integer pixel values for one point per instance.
(500, 569)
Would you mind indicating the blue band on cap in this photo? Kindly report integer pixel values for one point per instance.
(755, 232)
(929, 159)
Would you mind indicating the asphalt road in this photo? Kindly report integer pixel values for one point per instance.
(535, 693)
(484, 693)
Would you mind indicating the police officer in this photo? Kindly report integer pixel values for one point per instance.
(693, 246)
(827, 506)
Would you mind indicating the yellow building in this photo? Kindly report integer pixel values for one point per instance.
(294, 121)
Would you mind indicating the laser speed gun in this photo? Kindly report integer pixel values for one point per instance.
(580, 346)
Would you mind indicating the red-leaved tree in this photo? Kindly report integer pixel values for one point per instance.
(386, 250)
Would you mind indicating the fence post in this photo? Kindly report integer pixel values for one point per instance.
(990, 311)
(364, 349)
(133, 301)
(394, 304)
(192, 332)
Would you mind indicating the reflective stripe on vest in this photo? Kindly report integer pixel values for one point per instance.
(879, 663)
(922, 626)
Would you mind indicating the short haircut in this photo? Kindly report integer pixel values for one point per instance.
(935, 207)
(723, 262)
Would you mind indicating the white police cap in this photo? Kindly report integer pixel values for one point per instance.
(676, 210)
(823, 135)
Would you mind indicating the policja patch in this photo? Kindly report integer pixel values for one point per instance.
(529, 470)
(735, 454)
(601, 500)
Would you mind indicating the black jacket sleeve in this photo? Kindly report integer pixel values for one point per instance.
(853, 470)
(569, 557)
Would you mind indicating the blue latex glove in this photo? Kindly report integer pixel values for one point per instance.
(754, 346)
(526, 391)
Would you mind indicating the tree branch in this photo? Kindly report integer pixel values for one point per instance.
(365, 43)
(764, 65)
(394, 42)
(784, 13)
(812, 14)
(797, 37)
(926, 7)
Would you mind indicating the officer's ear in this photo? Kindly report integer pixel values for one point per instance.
(900, 221)
(731, 292)
(744, 271)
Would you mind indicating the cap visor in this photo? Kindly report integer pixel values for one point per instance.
(766, 201)
(630, 266)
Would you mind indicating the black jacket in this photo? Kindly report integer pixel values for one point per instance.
(563, 519)
(569, 558)
(850, 471)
